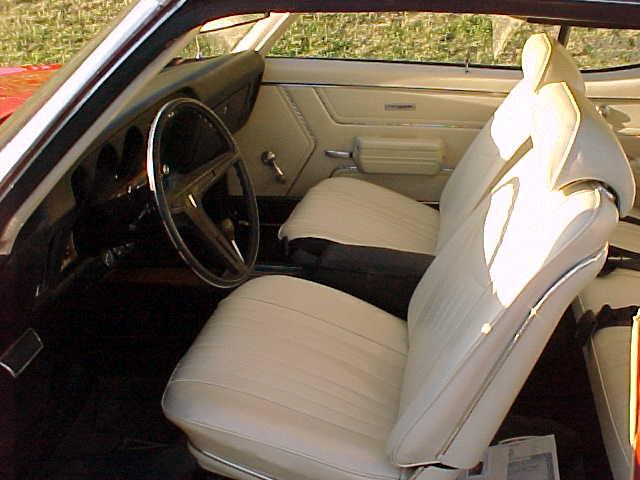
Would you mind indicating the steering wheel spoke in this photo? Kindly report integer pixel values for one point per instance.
(185, 135)
(212, 235)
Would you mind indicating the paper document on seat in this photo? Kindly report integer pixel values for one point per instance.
(522, 458)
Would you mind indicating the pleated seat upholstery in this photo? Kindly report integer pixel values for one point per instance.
(293, 380)
(354, 212)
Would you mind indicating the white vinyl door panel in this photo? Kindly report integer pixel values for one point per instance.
(308, 106)
(275, 125)
(388, 74)
(393, 106)
(332, 103)
(331, 134)
(617, 94)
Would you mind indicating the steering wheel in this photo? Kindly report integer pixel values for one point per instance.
(190, 154)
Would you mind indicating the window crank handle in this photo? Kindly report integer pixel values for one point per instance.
(269, 159)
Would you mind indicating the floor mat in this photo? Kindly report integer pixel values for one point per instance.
(121, 434)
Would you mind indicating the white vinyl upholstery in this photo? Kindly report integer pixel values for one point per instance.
(291, 379)
(352, 212)
(607, 352)
(608, 356)
(366, 215)
(627, 234)
(527, 233)
(286, 366)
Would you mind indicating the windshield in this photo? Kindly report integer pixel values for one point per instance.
(51, 31)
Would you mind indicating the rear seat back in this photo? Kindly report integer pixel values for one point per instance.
(505, 137)
(608, 356)
(486, 307)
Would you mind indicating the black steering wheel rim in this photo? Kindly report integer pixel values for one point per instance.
(214, 170)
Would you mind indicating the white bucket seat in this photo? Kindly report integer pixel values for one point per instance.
(354, 212)
(292, 380)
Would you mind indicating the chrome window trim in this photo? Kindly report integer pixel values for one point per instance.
(20, 144)
(74, 89)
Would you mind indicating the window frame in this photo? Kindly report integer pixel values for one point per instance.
(563, 36)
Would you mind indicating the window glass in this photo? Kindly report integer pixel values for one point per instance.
(412, 37)
(36, 32)
(597, 48)
(220, 37)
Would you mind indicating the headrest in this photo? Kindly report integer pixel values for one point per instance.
(545, 61)
(577, 144)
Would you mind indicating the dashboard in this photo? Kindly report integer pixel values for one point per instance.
(102, 209)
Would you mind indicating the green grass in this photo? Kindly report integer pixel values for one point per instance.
(38, 31)
(52, 31)
(484, 39)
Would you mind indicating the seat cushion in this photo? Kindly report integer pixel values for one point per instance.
(344, 211)
(608, 355)
(627, 234)
(355, 212)
(289, 376)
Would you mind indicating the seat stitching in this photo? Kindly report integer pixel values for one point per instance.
(452, 376)
(288, 450)
(337, 337)
(372, 236)
(395, 215)
(375, 410)
(287, 407)
(424, 235)
(272, 332)
(259, 300)
(392, 404)
(381, 207)
(418, 225)
(292, 367)
(345, 363)
(383, 423)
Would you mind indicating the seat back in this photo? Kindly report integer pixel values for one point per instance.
(485, 308)
(506, 135)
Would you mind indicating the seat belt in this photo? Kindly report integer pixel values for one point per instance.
(589, 323)
(619, 257)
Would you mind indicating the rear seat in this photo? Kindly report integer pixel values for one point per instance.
(607, 352)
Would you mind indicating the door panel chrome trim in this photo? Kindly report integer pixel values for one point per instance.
(438, 90)
(302, 121)
(338, 154)
(434, 124)
(344, 169)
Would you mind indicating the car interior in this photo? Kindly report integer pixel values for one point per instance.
(280, 268)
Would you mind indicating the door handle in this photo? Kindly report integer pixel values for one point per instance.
(338, 154)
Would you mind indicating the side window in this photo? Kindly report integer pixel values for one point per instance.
(220, 37)
(409, 37)
(598, 48)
